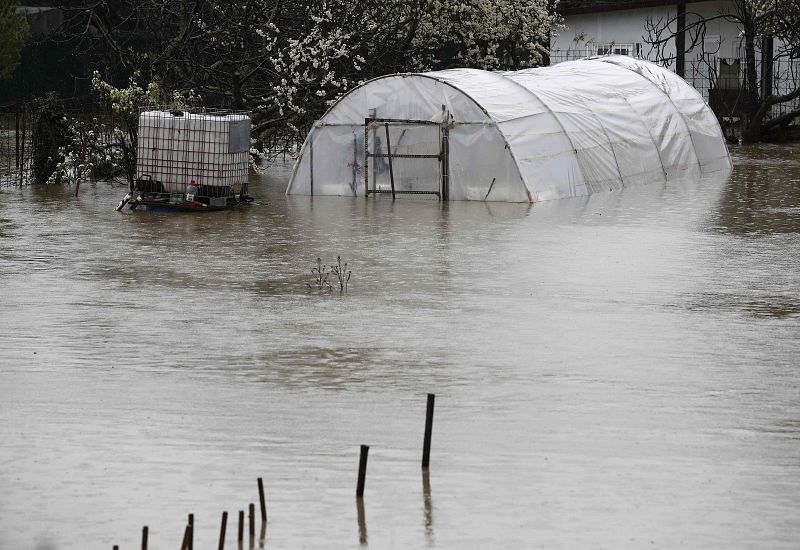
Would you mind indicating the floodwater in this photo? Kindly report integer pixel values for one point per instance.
(619, 371)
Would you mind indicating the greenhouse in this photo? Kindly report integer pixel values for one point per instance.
(572, 129)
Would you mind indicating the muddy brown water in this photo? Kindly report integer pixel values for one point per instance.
(619, 371)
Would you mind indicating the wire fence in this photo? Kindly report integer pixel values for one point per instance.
(17, 123)
(18, 120)
(15, 145)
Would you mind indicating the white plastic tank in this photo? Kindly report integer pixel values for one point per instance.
(178, 146)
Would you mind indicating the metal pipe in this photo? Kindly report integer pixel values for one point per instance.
(262, 499)
(222, 528)
(426, 446)
(362, 471)
(389, 156)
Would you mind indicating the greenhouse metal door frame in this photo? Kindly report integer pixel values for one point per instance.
(371, 126)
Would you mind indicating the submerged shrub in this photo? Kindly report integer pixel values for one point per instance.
(50, 133)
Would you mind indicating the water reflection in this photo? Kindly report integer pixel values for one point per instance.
(763, 194)
(427, 506)
(767, 306)
(649, 334)
(362, 521)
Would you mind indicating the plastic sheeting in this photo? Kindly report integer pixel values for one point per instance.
(572, 129)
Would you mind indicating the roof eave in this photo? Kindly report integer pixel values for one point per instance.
(621, 6)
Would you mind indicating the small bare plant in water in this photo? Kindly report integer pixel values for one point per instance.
(342, 273)
(322, 275)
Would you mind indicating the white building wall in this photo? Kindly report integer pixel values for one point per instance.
(587, 33)
(623, 31)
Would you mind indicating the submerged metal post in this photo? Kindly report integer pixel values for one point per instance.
(191, 532)
(362, 522)
(186, 536)
(389, 156)
(222, 528)
(262, 500)
(426, 446)
(366, 157)
(362, 471)
(443, 176)
(427, 503)
(16, 135)
(445, 152)
(22, 152)
(373, 114)
(311, 158)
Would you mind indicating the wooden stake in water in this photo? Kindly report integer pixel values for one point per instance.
(145, 532)
(222, 528)
(426, 446)
(262, 500)
(240, 538)
(252, 518)
(362, 471)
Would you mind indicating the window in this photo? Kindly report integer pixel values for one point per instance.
(729, 74)
(711, 45)
(617, 49)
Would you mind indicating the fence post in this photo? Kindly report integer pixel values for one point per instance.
(22, 151)
(262, 499)
(426, 445)
(222, 528)
(362, 471)
(16, 136)
(191, 532)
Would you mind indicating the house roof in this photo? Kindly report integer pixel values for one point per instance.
(573, 7)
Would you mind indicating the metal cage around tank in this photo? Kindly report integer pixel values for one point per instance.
(202, 150)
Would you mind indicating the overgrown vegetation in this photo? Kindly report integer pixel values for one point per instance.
(322, 275)
(13, 34)
(95, 148)
(342, 273)
(49, 136)
(288, 60)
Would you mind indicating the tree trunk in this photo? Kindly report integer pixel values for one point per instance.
(680, 42)
(751, 122)
(238, 97)
(767, 75)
